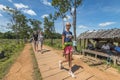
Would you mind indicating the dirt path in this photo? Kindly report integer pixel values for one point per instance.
(48, 65)
(22, 69)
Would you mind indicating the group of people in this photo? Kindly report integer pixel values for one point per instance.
(111, 48)
(67, 46)
(67, 36)
(38, 39)
(107, 47)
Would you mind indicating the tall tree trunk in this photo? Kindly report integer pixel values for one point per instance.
(74, 24)
(17, 40)
(74, 20)
(63, 25)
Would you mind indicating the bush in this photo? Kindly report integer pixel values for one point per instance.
(57, 43)
(9, 50)
(2, 54)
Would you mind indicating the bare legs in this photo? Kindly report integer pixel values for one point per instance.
(41, 46)
(69, 60)
(35, 45)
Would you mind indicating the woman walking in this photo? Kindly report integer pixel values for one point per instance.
(41, 40)
(67, 46)
(35, 40)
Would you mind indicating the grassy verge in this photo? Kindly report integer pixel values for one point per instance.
(36, 73)
(117, 67)
(5, 64)
(57, 44)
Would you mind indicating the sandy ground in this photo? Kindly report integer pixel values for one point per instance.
(22, 69)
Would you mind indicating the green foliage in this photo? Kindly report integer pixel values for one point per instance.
(18, 22)
(49, 28)
(61, 6)
(36, 73)
(35, 24)
(64, 6)
(7, 35)
(116, 67)
(20, 25)
(49, 25)
(57, 43)
(11, 50)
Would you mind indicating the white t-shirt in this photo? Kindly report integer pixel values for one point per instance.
(40, 37)
(106, 47)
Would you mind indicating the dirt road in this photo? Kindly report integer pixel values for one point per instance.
(22, 69)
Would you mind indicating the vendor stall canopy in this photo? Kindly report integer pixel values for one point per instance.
(101, 34)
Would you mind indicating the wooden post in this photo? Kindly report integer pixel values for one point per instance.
(83, 52)
(96, 56)
(84, 43)
(80, 43)
(115, 60)
(80, 46)
(87, 42)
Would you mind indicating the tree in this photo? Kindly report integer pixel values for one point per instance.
(18, 23)
(65, 6)
(61, 15)
(8, 35)
(13, 25)
(49, 28)
(36, 24)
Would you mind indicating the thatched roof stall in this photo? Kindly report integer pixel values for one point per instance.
(101, 34)
(112, 35)
(99, 37)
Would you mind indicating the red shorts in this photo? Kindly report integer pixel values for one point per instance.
(68, 49)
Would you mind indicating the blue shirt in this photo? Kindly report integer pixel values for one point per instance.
(117, 48)
(67, 36)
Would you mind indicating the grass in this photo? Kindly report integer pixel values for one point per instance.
(116, 67)
(5, 64)
(57, 44)
(36, 73)
(12, 51)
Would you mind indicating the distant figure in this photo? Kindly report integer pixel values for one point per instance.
(40, 39)
(90, 46)
(117, 48)
(97, 45)
(35, 40)
(111, 45)
(105, 47)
